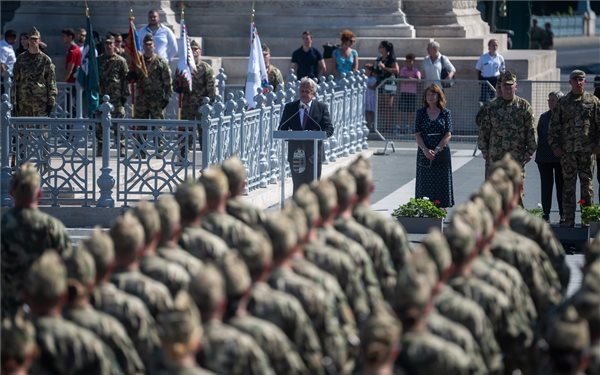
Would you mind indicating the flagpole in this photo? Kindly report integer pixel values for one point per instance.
(132, 89)
(180, 96)
(253, 11)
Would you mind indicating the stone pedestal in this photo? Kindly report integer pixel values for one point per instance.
(445, 18)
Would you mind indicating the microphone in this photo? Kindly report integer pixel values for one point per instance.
(290, 118)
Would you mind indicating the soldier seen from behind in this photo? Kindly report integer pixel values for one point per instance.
(19, 348)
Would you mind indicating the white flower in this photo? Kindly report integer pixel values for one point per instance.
(425, 198)
(540, 205)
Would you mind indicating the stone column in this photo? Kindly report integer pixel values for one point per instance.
(445, 18)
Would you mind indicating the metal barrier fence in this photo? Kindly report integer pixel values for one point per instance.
(395, 110)
(146, 158)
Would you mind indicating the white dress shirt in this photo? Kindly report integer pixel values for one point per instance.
(490, 66)
(165, 44)
(7, 55)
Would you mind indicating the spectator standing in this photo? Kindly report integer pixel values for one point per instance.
(370, 100)
(489, 67)
(274, 75)
(80, 40)
(72, 63)
(548, 164)
(574, 137)
(23, 43)
(307, 61)
(433, 130)
(548, 37)
(119, 44)
(386, 67)
(434, 63)
(7, 55)
(536, 35)
(407, 105)
(345, 57)
(164, 39)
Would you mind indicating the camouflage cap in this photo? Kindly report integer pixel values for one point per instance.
(18, 338)
(568, 332)
(207, 289)
(577, 74)
(485, 216)
(34, 34)
(181, 324)
(128, 236)
(236, 173)
(362, 172)
(101, 248)
(345, 187)
(191, 198)
(379, 335)
(194, 43)
(469, 212)
(298, 217)
(215, 183)
(148, 38)
(307, 201)
(422, 263)
(169, 215)
(508, 78)
(80, 266)
(413, 292)
(438, 250)
(326, 195)
(147, 215)
(109, 38)
(511, 167)
(503, 186)
(47, 278)
(236, 274)
(25, 183)
(491, 199)
(461, 239)
(282, 234)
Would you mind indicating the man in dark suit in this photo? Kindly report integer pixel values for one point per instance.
(306, 114)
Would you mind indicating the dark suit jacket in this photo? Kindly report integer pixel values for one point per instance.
(319, 119)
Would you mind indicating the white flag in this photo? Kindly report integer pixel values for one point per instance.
(186, 65)
(257, 71)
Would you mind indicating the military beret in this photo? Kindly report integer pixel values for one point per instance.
(577, 74)
(34, 34)
(511, 167)
(182, 323)
(147, 215)
(109, 38)
(508, 78)
(18, 338)
(413, 291)
(568, 332)
(81, 267)
(191, 198)
(282, 234)
(215, 183)
(307, 201)
(345, 186)
(148, 38)
(461, 239)
(207, 289)
(47, 277)
(379, 335)
(101, 248)
(128, 236)
(327, 196)
(438, 250)
(26, 181)
(235, 171)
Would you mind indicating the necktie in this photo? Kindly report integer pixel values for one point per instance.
(305, 118)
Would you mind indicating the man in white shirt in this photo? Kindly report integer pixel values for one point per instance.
(165, 44)
(7, 55)
(434, 63)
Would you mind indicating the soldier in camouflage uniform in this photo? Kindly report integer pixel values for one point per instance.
(225, 350)
(181, 335)
(18, 344)
(34, 81)
(128, 237)
(26, 233)
(81, 272)
(274, 75)
(126, 308)
(380, 345)
(112, 71)
(574, 136)
(64, 347)
(506, 126)
(154, 91)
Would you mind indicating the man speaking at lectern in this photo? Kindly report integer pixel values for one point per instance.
(306, 114)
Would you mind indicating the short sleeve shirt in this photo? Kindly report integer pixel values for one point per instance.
(73, 57)
(308, 62)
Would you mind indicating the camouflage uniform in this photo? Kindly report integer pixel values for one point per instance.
(203, 86)
(17, 341)
(575, 129)
(26, 233)
(245, 212)
(154, 91)
(171, 275)
(507, 127)
(379, 342)
(155, 295)
(178, 255)
(34, 85)
(112, 72)
(275, 77)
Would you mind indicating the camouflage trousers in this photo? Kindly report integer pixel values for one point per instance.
(576, 164)
(189, 113)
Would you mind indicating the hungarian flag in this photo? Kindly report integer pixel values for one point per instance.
(186, 65)
(257, 71)
(88, 71)
(134, 49)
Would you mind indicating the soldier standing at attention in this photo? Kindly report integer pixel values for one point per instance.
(506, 126)
(34, 81)
(113, 82)
(274, 75)
(574, 137)
(26, 233)
(154, 91)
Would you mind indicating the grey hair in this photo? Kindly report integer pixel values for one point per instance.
(311, 82)
(433, 44)
(558, 94)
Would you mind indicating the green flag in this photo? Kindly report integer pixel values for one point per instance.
(88, 72)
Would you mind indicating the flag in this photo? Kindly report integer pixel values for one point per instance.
(257, 71)
(186, 65)
(88, 71)
(133, 47)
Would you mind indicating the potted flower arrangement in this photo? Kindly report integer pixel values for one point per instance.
(590, 216)
(419, 215)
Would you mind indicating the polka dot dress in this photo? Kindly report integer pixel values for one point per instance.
(434, 180)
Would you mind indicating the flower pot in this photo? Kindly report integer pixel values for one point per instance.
(594, 228)
(420, 225)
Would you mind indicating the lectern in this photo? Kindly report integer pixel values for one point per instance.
(296, 135)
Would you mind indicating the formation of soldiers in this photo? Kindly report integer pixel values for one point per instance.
(203, 282)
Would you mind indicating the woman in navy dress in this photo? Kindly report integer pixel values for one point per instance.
(433, 130)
